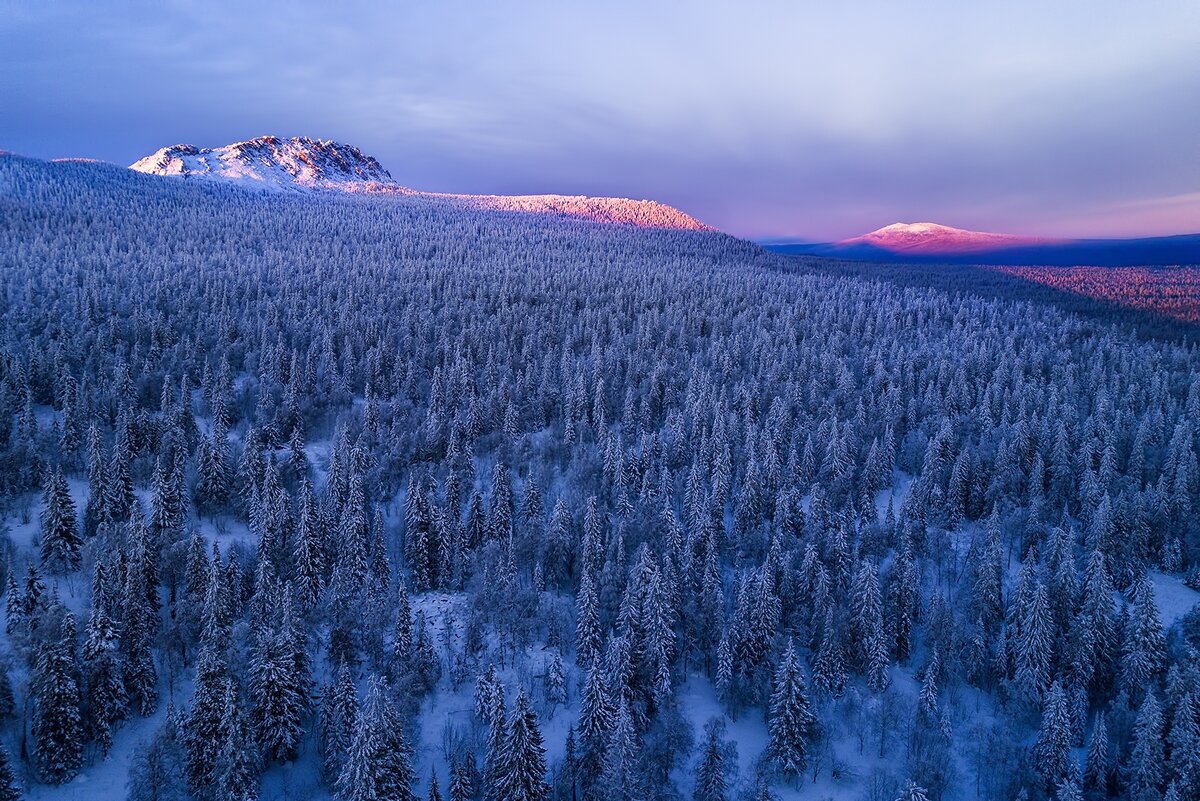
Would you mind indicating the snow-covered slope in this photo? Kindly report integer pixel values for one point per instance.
(619, 210)
(927, 237)
(271, 162)
(303, 164)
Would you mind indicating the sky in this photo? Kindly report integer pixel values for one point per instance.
(791, 120)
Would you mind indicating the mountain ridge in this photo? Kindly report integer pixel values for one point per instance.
(302, 164)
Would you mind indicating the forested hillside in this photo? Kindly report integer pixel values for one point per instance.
(314, 496)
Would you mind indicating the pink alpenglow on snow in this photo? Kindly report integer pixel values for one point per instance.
(618, 210)
(927, 237)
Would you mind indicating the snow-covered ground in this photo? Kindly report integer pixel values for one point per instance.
(1174, 598)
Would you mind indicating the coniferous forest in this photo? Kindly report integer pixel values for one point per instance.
(375, 498)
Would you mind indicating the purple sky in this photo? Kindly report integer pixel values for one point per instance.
(788, 119)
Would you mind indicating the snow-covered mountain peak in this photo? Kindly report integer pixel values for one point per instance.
(302, 164)
(275, 163)
(928, 237)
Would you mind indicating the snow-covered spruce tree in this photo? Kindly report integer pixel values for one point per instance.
(790, 719)
(212, 485)
(904, 602)
(645, 622)
(866, 627)
(1031, 636)
(461, 787)
(378, 766)
(95, 511)
(60, 540)
(339, 713)
(10, 785)
(1145, 768)
(435, 794)
(204, 729)
(1097, 765)
(103, 678)
(596, 720)
(1144, 645)
(237, 776)
(310, 550)
(119, 499)
(523, 761)
(1068, 790)
(140, 603)
(555, 682)
(1053, 749)
(277, 694)
(1183, 740)
(913, 792)
(1093, 631)
(500, 512)
(57, 728)
(710, 773)
(426, 667)
(559, 555)
(986, 571)
(620, 776)
(497, 740)
(829, 670)
(587, 628)
(168, 504)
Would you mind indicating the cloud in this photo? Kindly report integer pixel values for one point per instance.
(763, 118)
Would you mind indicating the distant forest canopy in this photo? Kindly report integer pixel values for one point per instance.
(916, 535)
(1157, 302)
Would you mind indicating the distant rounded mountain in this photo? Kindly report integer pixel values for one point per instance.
(931, 243)
(927, 237)
(300, 164)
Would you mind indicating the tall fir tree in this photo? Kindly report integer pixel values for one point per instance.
(103, 678)
(791, 722)
(1144, 645)
(277, 698)
(1033, 644)
(204, 731)
(710, 774)
(620, 776)
(1184, 743)
(461, 787)
(378, 766)
(237, 776)
(1097, 765)
(587, 627)
(1146, 769)
(141, 620)
(339, 712)
(96, 511)
(60, 541)
(866, 627)
(57, 728)
(596, 719)
(523, 764)
(1052, 752)
(10, 785)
